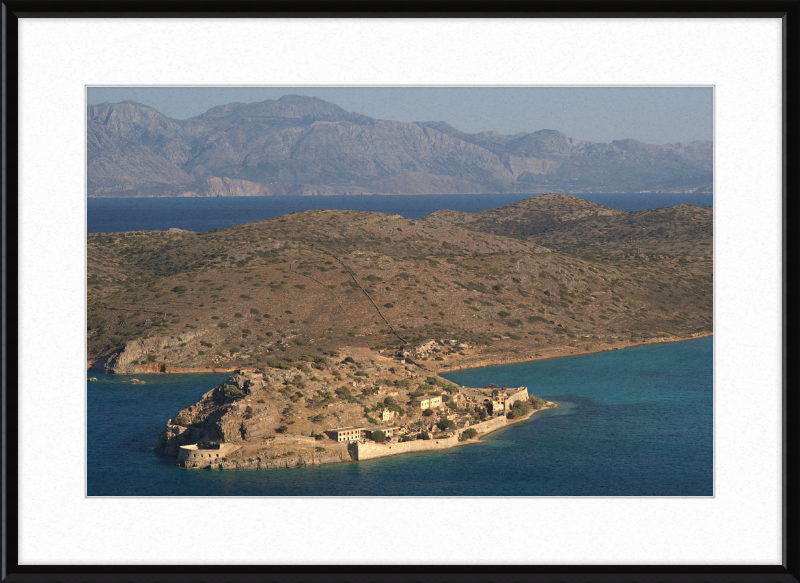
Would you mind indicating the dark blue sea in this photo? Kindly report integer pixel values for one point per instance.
(632, 422)
(106, 215)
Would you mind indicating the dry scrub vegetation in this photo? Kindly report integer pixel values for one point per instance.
(319, 280)
(573, 225)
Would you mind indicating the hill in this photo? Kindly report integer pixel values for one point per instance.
(571, 224)
(303, 145)
(445, 295)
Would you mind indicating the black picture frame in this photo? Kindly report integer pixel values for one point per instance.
(13, 10)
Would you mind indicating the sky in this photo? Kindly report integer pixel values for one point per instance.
(654, 115)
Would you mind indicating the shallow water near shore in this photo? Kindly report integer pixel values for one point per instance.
(632, 422)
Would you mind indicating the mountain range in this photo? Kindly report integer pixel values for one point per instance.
(300, 145)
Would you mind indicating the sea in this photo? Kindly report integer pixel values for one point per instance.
(105, 215)
(631, 422)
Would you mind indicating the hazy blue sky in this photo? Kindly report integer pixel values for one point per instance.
(656, 115)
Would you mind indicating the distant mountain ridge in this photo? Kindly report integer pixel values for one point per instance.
(305, 145)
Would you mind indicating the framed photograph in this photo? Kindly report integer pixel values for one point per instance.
(371, 293)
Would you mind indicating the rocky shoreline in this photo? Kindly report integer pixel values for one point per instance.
(244, 411)
(351, 404)
(454, 364)
(351, 453)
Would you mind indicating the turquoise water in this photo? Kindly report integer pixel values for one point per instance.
(633, 422)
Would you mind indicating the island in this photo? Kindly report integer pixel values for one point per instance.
(336, 407)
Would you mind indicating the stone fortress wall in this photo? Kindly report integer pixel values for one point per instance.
(189, 456)
(365, 451)
(521, 395)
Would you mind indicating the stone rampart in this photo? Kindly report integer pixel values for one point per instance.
(189, 456)
(488, 425)
(521, 395)
(301, 460)
(365, 451)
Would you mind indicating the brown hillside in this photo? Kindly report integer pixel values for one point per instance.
(571, 224)
(505, 304)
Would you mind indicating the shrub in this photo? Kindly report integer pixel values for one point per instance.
(238, 315)
(282, 429)
(388, 305)
(181, 421)
(423, 435)
(445, 424)
(378, 436)
(249, 410)
(518, 409)
(468, 434)
(151, 357)
(320, 448)
(253, 311)
(427, 412)
(537, 402)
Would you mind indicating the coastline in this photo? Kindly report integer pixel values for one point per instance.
(377, 451)
(550, 405)
(156, 368)
(307, 456)
(561, 353)
(465, 364)
(365, 451)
